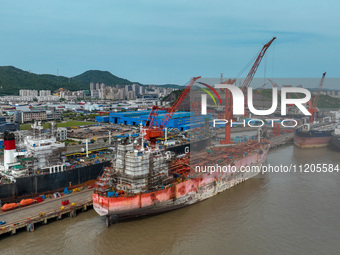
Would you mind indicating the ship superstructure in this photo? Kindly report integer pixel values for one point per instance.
(36, 153)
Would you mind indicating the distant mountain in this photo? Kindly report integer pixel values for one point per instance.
(13, 79)
(102, 77)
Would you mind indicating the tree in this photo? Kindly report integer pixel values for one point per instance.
(62, 100)
(35, 99)
(79, 142)
(92, 140)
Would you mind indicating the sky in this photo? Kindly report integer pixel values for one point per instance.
(159, 42)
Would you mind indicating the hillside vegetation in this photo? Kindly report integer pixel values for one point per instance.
(13, 79)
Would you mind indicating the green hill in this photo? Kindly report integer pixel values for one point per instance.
(13, 79)
(102, 77)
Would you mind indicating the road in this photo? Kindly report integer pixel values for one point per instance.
(50, 204)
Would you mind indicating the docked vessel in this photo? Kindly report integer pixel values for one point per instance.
(313, 137)
(335, 139)
(36, 164)
(144, 181)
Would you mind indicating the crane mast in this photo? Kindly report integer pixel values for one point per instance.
(256, 64)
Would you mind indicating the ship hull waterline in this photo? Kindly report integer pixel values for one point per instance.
(311, 142)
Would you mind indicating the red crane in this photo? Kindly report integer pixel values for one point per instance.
(154, 129)
(228, 97)
(256, 64)
(312, 105)
(253, 69)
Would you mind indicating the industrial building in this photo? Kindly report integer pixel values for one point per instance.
(104, 119)
(6, 126)
(181, 120)
(129, 117)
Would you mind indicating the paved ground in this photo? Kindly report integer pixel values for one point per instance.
(46, 206)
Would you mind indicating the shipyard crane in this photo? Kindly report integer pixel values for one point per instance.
(256, 64)
(154, 128)
(312, 104)
(253, 69)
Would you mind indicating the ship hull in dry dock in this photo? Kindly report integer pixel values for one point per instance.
(178, 195)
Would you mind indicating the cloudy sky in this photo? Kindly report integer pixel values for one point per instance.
(155, 41)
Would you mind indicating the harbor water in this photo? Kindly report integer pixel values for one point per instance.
(273, 213)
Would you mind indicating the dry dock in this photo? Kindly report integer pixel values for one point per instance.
(28, 217)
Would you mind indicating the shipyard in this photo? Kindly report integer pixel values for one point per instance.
(169, 128)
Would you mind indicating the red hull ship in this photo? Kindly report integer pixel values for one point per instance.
(141, 182)
(307, 137)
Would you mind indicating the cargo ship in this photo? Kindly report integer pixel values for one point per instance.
(145, 181)
(313, 137)
(335, 139)
(35, 164)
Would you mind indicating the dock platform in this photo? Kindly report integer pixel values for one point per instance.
(26, 217)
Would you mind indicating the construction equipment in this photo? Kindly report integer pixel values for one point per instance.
(256, 64)
(154, 129)
(253, 70)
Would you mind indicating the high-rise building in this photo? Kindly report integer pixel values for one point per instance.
(28, 92)
(44, 93)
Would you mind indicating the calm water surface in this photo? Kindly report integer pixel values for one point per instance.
(288, 213)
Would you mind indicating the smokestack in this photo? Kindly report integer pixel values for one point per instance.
(9, 142)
